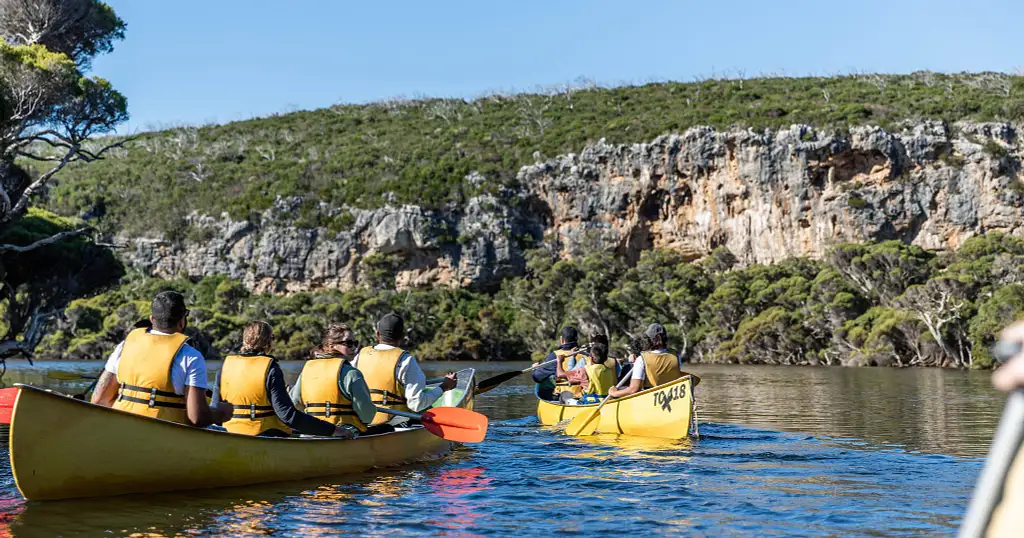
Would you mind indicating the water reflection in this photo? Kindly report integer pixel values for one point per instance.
(456, 491)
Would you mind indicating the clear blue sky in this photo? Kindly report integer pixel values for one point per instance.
(188, 61)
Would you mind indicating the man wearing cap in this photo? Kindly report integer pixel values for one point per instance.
(652, 368)
(394, 376)
(155, 373)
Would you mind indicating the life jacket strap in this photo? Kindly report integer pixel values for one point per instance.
(254, 412)
(329, 409)
(387, 397)
(153, 393)
(151, 403)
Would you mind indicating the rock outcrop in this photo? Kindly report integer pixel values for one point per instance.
(765, 196)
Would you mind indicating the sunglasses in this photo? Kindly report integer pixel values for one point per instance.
(349, 343)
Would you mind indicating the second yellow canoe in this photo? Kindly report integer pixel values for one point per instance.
(665, 411)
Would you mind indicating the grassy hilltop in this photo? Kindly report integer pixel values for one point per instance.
(420, 152)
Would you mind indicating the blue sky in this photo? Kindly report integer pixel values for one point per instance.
(188, 61)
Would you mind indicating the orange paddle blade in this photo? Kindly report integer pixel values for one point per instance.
(455, 424)
(7, 397)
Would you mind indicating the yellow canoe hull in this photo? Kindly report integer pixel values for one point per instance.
(62, 448)
(665, 411)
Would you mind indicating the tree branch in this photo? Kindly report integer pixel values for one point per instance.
(43, 242)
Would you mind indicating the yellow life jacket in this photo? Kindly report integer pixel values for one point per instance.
(243, 383)
(660, 368)
(380, 370)
(321, 395)
(561, 385)
(602, 377)
(144, 373)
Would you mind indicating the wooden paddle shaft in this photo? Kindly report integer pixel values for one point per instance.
(1005, 445)
(532, 368)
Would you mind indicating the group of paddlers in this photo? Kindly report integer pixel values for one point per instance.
(341, 391)
(574, 374)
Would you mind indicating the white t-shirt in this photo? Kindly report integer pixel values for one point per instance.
(411, 376)
(189, 366)
(638, 371)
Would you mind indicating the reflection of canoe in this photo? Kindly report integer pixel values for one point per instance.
(666, 411)
(63, 448)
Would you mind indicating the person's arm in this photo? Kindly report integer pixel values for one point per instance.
(215, 397)
(353, 387)
(411, 376)
(1011, 375)
(106, 390)
(634, 387)
(546, 371)
(636, 381)
(106, 387)
(296, 393)
(199, 413)
(277, 391)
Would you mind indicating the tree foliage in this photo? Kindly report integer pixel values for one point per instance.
(798, 311)
(50, 112)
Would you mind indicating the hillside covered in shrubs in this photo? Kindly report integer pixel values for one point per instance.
(885, 304)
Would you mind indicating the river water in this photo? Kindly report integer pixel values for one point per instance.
(783, 451)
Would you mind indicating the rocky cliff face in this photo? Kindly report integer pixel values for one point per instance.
(764, 195)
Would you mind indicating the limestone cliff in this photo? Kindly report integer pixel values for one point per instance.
(764, 195)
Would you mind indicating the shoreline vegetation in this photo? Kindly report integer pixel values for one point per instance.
(880, 304)
(885, 304)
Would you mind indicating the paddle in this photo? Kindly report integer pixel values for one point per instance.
(579, 424)
(68, 376)
(492, 382)
(1005, 444)
(451, 423)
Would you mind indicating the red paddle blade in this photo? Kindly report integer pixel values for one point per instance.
(455, 424)
(7, 397)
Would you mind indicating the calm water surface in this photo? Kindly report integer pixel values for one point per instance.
(784, 451)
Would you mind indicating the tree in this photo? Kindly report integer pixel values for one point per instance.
(541, 298)
(78, 29)
(591, 306)
(1005, 306)
(884, 270)
(941, 305)
(663, 288)
(50, 112)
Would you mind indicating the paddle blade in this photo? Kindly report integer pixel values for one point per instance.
(67, 376)
(7, 398)
(455, 424)
(492, 382)
(585, 424)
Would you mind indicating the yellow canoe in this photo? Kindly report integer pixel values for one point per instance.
(665, 411)
(62, 448)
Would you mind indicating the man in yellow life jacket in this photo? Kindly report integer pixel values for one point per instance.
(253, 382)
(654, 367)
(155, 373)
(394, 376)
(331, 389)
